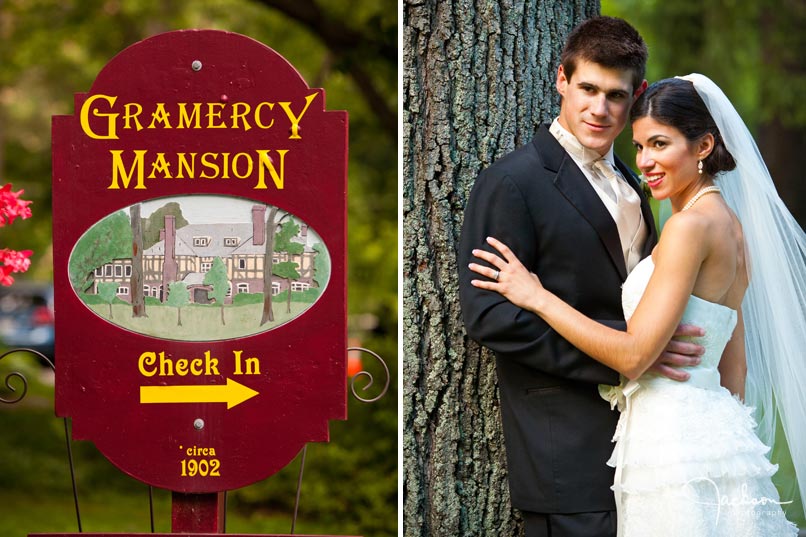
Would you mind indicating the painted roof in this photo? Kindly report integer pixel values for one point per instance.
(215, 244)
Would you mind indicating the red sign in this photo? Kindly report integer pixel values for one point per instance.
(199, 202)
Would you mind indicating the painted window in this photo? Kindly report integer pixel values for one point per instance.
(300, 286)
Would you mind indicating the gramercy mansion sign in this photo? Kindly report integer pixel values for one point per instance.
(199, 197)
(129, 167)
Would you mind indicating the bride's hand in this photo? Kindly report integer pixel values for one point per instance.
(509, 277)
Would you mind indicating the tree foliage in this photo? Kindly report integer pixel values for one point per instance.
(284, 244)
(321, 265)
(755, 51)
(156, 221)
(178, 296)
(217, 278)
(96, 247)
(108, 292)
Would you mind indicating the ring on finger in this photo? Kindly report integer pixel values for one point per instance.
(496, 274)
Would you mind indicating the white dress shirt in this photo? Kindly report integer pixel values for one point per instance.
(619, 198)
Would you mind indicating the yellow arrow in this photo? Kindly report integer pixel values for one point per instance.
(233, 393)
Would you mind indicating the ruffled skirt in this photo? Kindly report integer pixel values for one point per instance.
(693, 466)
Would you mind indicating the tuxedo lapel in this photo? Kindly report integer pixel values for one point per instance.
(576, 188)
(646, 210)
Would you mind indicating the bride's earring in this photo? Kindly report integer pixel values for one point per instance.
(699, 167)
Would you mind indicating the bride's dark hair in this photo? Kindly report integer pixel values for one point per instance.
(675, 102)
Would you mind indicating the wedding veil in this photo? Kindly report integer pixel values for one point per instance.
(774, 307)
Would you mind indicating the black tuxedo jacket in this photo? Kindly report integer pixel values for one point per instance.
(558, 430)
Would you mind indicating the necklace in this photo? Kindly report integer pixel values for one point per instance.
(702, 192)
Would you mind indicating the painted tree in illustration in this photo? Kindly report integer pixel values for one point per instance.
(478, 78)
(217, 278)
(268, 269)
(156, 221)
(178, 296)
(137, 295)
(108, 292)
(284, 245)
(109, 239)
(321, 265)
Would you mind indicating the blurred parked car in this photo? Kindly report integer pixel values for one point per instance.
(26, 317)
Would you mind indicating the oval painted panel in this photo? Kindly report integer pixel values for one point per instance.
(201, 271)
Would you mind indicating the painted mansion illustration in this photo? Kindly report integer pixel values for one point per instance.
(186, 255)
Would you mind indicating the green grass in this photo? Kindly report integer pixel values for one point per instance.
(199, 323)
(114, 511)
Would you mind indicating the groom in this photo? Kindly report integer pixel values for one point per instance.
(575, 215)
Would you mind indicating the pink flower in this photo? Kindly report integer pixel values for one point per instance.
(5, 276)
(11, 206)
(18, 261)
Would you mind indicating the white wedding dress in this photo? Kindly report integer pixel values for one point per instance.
(688, 462)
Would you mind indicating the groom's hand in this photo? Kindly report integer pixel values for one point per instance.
(680, 354)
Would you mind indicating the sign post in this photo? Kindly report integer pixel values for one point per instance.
(199, 215)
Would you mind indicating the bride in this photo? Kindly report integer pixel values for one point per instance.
(730, 259)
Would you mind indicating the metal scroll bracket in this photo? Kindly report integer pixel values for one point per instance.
(9, 382)
(370, 381)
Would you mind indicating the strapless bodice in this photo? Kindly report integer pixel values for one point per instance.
(674, 436)
(717, 320)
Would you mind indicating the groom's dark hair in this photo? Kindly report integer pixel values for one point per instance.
(609, 42)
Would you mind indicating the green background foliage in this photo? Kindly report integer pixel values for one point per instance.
(754, 50)
(51, 49)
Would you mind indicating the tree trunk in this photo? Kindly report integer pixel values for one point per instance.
(138, 300)
(268, 268)
(476, 85)
(288, 304)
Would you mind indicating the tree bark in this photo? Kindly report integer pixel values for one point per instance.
(477, 81)
(138, 300)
